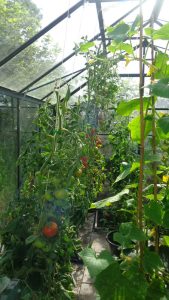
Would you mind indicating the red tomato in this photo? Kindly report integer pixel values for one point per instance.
(91, 134)
(50, 230)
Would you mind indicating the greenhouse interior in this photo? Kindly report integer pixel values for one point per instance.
(84, 150)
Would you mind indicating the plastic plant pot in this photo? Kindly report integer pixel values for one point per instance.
(115, 246)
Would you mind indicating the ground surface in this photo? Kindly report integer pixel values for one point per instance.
(84, 289)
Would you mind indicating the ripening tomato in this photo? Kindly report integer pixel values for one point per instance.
(93, 131)
(84, 161)
(91, 134)
(98, 142)
(50, 230)
(79, 172)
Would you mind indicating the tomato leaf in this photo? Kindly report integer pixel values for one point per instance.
(30, 239)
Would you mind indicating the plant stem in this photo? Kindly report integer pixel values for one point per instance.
(142, 125)
(154, 165)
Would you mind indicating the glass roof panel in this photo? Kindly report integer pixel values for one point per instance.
(164, 16)
(49, 50)
(63, 90)
(74, 64)
(112, 11)
(21, 20)
(54, 46)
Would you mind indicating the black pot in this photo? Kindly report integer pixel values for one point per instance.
(115, 246)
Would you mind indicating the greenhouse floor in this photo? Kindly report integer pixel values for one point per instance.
(97, 240)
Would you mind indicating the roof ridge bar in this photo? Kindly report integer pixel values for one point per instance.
(156, 9)
(101, 24)
(41, 32)
(52, 81)
(73, 53)
(15, 94)
(64, 83)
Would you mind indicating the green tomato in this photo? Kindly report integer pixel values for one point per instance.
(40, 244)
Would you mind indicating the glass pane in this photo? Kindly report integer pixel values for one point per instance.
(20, 20)
(48, 50)
(8, 155)
(27, 116)
(7, 101)
(163, 16)
(74, 64)
(114, 11)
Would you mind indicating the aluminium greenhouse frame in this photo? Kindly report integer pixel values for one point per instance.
(22, 94)
(155, 12)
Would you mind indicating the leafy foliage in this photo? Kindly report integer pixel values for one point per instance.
(109, 201)
(161, 88)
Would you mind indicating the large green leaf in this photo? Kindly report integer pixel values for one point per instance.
(152, 261)
(161, 88)
(134, 127)
(163, 123)
(166, 240)
(119, 32)
(110, 200)
(160, 133)
(153, 211)
(157, 290)
(135, 25)
(96, 264)
(86, 46)
(120, 47)
(125, 108)
(166, 219)
(131, 168)
(111, 284)
(4, 282)
(161, 63)
(129, 232)
(160, 34)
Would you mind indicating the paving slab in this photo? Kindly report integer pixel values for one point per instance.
(99, 242)
(84, 289)
(87, 292)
